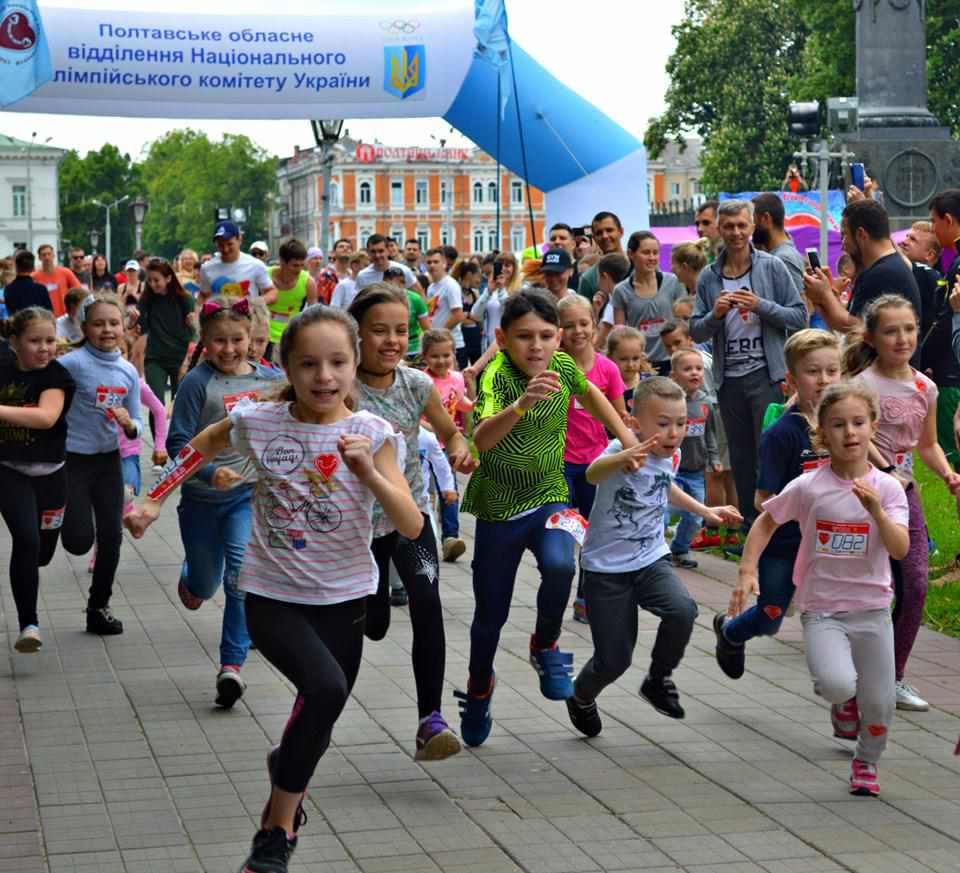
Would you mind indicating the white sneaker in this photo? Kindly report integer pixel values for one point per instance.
(29, 639)
(907, 698)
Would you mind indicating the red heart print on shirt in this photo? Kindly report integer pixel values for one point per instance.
(824, 537)
(326, 465)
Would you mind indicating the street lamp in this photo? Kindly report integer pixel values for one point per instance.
(451, 183)
(138, 208)
(326, 132)
(94, 239)
(107, 207)
(28, 150)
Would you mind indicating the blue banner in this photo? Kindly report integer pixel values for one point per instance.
(24, 56)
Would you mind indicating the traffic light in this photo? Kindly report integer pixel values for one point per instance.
(804, 120)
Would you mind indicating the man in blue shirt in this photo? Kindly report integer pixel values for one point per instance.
(23, 291)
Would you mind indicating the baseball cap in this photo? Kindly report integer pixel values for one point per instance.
(314, 252)
(132, 265)
(556, 261)
(226, 230)
(260, 245)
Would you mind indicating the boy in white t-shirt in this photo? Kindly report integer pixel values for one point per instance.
(626, 560)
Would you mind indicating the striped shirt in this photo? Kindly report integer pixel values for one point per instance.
(525, 469)
(312, 525)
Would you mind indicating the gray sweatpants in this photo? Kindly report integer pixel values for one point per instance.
(612, 603)
(850, 654)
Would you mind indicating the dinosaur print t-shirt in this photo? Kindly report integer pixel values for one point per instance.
(626, 523)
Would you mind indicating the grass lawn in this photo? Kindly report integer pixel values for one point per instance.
(942, 611)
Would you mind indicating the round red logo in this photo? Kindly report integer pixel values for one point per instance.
(16, 34)
(366, 153)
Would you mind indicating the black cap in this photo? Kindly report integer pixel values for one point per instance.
(556, 261)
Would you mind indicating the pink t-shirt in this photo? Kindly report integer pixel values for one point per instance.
(904, 404)
(312, 517)
(586, 437)
(452, 392)
(842, 565)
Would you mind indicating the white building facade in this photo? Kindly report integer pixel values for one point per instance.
(29, 195)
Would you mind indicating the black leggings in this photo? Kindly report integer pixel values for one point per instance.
(318, 648)
(417, 564)
(95, 512)
(32, 507)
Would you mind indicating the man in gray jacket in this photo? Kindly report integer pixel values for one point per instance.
(747, 305)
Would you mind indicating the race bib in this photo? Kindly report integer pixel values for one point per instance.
(810, 461)
(231, 400)
(571, 521)
(842, 540)
(51, 519)
(652, 327)
(696, 427)
(109, 397)
(903, 461)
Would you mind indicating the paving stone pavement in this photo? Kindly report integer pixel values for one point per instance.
(114, 760)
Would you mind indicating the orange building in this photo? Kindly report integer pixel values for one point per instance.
(439, 196)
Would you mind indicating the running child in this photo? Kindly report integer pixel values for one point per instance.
(308, 568)
(880, 357)
(403, 395)
(625, 347)
(586, 437)
(34, 400)
(215, 510)
(261, 346)
(521, 411)
(626, 560)
(438, 353)
(786, 451)
(107, 395)
(853, 518)
(698, 451)
(68, 324)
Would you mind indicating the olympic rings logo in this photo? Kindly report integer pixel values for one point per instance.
(398, 25)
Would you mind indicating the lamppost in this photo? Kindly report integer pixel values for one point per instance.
(326, 133)
(107, 207)
(138, 208)
(28, 150)
(94, 239)
(451, 187)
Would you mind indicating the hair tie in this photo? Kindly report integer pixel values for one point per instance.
(241, 307)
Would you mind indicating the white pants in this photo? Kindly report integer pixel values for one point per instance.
(850, 654)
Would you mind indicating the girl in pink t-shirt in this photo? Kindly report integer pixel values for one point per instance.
(880, 357)
(308, 568)
(853, 519)
(586, 437)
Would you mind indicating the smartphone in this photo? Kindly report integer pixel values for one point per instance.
(858, 176)
(497, 269)
(813, 258)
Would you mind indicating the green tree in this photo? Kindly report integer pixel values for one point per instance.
(105, 175)
(186, 177)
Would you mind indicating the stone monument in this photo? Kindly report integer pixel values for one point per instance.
(903, 146)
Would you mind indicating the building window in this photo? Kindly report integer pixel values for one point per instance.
(675, 189)
(423, 237)
(364, 234)
(492, 242)
(445, 188)
(478, 241)
(396, 233)
(649, 190)
(422, 194)
(516, 192)
(492, 192)
(335, 194)
(396, 193)
(518, 238)
(444, 235)
(19, 201)
(366, 194)
(477, 193)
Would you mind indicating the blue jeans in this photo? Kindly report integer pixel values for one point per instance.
(449, 513)
(691, 483)
(499, 545)
(215, 535)
(131, 472)
(776, 592)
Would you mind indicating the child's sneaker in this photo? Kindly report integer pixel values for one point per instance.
(475, 719)
(399, 596)
(435, 740)
(730, 656)
(230, 686)
(845, 718)
(908, 699)
(190, 601)
(863, 779)
(580, 610)
(706, 540)
(300, 816)
(29, 640)
(585, 717)
(270, 852)
(684, 561)
(453, 548)
(555, 669)
(663, 696)
(731, 539)
(102, 622)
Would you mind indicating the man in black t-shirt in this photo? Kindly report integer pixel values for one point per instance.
(23, 291)
(881, 269)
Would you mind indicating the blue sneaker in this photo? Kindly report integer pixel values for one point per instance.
(475, 719)
(555, 669)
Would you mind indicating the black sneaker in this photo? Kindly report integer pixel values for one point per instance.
(399, 597)
(270, 852)
(731, 657)
(101, 621)
(584, 716)
(230, 687)
(662, 695)
(684, 561)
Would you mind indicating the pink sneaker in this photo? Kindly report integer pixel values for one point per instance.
(845, 718)
(863, 779)
(190, 601)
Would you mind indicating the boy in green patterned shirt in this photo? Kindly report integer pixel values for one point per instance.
(523, 399)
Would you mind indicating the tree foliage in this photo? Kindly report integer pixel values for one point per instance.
(105, 175)
(738, 64)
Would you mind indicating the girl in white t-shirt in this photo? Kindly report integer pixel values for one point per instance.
(853, 519)
(308, 568)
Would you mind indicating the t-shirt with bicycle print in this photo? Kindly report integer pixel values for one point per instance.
(312, 518)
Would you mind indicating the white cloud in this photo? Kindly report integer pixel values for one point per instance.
(613, 54)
